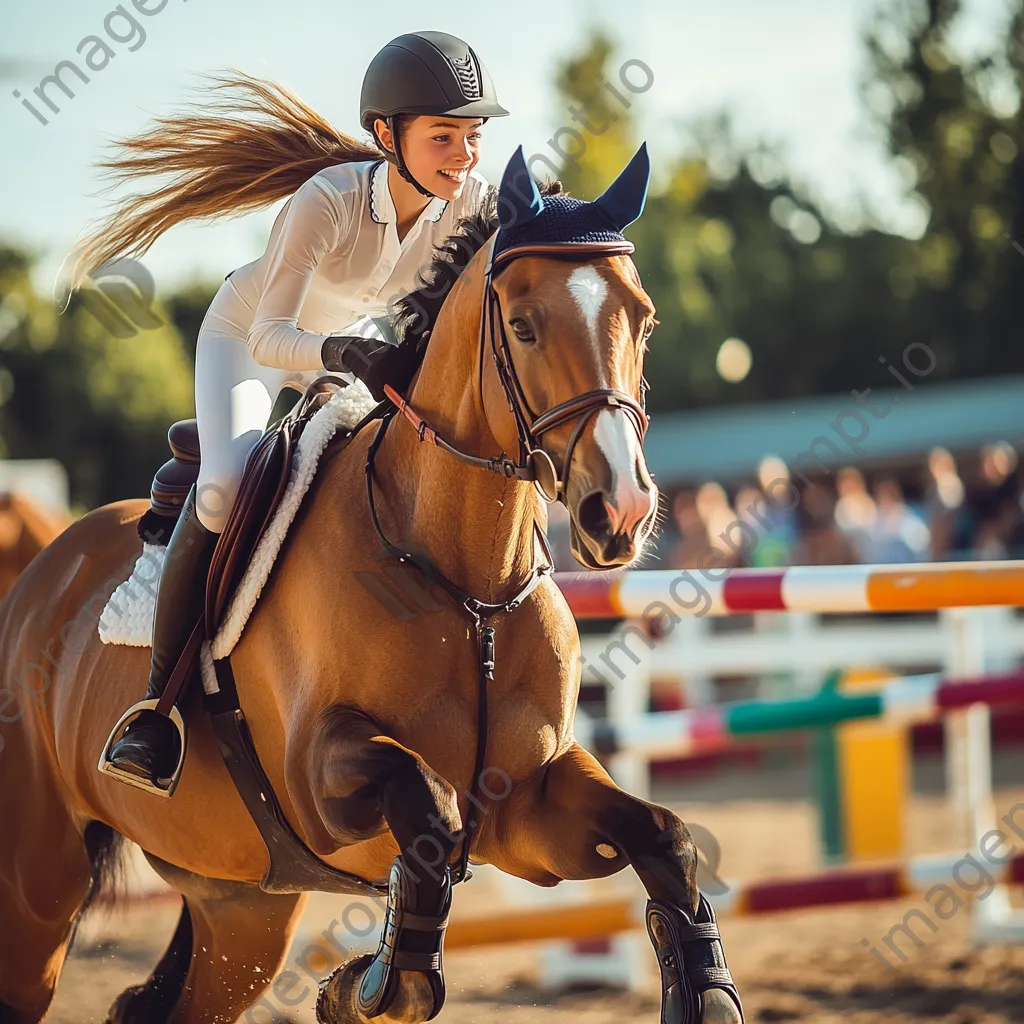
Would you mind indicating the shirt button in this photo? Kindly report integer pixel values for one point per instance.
(367, 298)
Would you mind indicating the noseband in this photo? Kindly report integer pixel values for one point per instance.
(534, 464)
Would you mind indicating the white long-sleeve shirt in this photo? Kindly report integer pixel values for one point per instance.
(333, 257)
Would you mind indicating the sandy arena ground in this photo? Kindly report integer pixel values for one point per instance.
(802, 967)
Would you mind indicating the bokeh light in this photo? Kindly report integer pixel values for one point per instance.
(734, 360)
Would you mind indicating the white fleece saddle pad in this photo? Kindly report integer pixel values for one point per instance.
(127, 617)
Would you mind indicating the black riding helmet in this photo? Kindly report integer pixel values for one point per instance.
(425, 73)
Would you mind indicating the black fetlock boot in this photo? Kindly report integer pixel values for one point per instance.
(410, 942)
(693, 969)
(151, 750)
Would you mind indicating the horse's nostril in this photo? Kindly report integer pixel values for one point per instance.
(592, 515)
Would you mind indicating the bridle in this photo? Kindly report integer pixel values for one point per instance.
(534, 462)
(534, 465)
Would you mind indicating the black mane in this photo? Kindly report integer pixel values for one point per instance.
(415, 314)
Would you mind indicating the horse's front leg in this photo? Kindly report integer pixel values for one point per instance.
(570, 821)
(368, 783)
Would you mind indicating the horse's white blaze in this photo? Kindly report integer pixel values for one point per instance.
(617, 439)
(589, 289)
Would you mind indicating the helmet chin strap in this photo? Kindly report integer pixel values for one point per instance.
(402, 169)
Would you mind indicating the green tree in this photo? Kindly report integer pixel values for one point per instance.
(731, 246)
(599, 131)
(960, 156)
(99, 404)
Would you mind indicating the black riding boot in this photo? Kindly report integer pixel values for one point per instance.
(151, 746)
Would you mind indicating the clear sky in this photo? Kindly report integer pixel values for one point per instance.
(787, 69)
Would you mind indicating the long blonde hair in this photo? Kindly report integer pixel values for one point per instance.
(224, 165)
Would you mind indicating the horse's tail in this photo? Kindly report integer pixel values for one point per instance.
(106, 848)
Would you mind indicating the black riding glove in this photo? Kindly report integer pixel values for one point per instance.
(373, 361)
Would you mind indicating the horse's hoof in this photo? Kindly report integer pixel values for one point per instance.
(137, 1005)
(336, 1003)
(719, 1008)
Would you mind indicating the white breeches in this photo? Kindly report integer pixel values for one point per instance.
(234, 398)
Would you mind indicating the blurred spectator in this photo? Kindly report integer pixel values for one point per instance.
(752, 511)
(693, 540)
(853, 523)
(705, 522)
(821, 541)
(771, 521)
(855, 511)
(995, 502)
(896, 534)
(719, 519)
(944, 499)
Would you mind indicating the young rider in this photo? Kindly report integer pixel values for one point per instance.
(351, 237)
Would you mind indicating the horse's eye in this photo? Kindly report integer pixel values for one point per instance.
(521, 329)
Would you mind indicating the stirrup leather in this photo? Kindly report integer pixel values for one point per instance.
(166, 786)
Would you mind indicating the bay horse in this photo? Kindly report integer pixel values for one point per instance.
(26, 527)
(371, 731)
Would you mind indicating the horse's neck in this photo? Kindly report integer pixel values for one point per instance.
(476, 526)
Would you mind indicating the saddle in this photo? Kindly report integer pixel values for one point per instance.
(171, 484)
(263, 484)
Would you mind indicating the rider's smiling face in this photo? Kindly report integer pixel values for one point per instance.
(439, 151)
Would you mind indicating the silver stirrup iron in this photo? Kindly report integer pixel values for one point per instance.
(107, 767)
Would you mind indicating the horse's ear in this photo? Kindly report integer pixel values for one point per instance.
(519, 199)
(623, 200)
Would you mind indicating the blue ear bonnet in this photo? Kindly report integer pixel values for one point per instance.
(563, 219)
(526, 217)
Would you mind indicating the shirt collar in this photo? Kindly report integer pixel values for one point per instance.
(382, 206)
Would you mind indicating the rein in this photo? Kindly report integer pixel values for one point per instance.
(534, 465)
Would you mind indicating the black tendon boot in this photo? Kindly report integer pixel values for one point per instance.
(149, 754)
(692, 964)
(411, 941)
